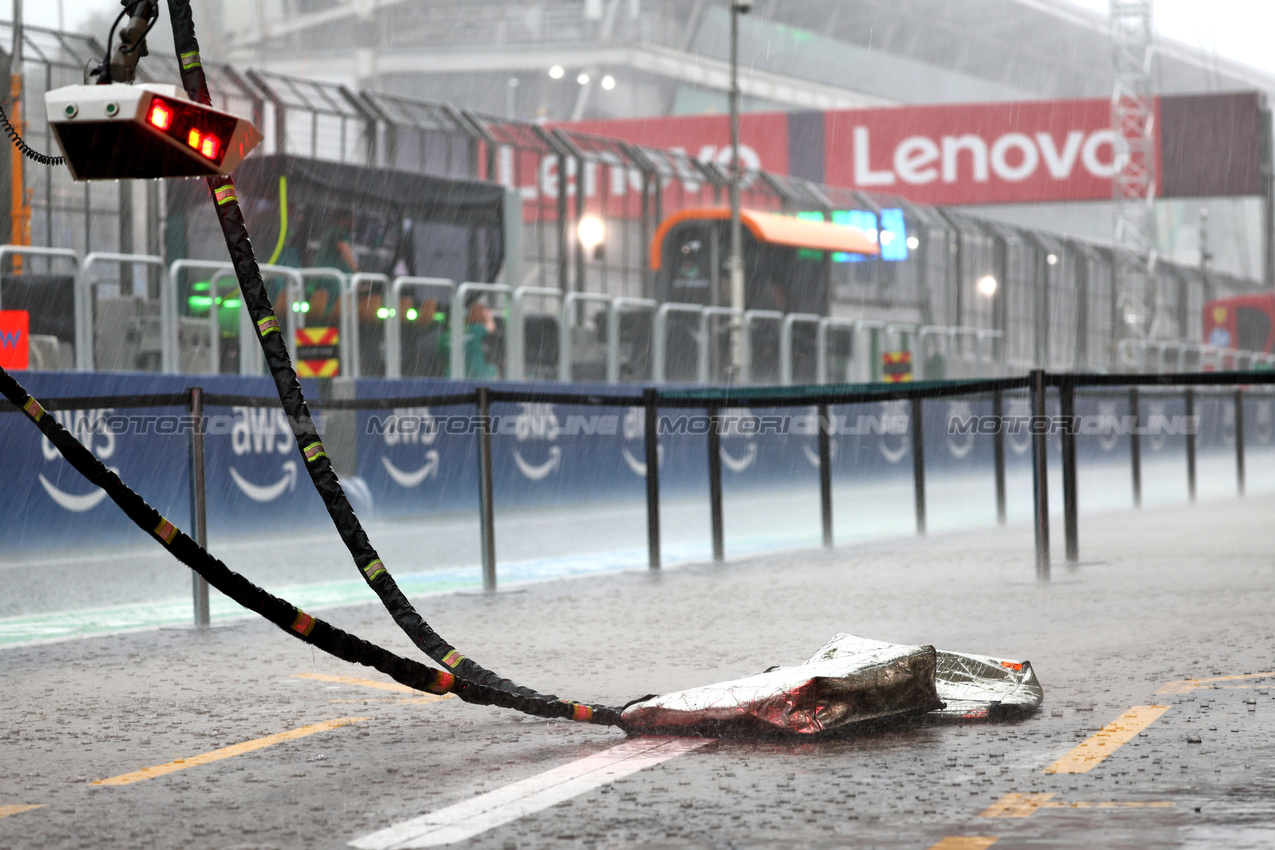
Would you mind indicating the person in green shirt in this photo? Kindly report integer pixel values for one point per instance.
(479, 324)
(336, 251)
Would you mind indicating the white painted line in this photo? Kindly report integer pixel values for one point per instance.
(508, 804)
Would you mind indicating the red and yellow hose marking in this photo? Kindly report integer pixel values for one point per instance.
(453, 658)
(224, 195)
(268, 325)
(303, 624)
(313, 452)
(581, 713)
(33, 409)
(374, 569)
(443, 684)
(165, 531)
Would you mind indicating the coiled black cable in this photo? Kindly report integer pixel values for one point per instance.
(27, 150)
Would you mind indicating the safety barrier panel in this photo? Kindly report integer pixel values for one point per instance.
(394, 327)
(1153, 355)
(248, 478)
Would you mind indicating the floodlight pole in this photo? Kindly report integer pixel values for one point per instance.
(737, 8)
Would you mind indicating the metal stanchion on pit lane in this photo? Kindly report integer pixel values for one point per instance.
(1135, 448)
(198, 501)
(1190, 443)
(918, 464)
(1040, 474)
(715, 482)
(652, 445)
(1239, 440)
(485, 500)
(825, 473)
(1071, 525)
(998, 452)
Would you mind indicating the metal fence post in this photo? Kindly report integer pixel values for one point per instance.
(1239, 440)
(998, 452)
(652, 441)
(918, 464)
(485, 499)
(715, 482)
(1190, 443)
(1040, 473)
(198, 500)
(1071, 525)
(825, 473)
(1135, 448)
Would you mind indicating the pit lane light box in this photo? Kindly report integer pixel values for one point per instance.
(120, 132)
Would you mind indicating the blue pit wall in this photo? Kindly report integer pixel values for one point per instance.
(544, 455)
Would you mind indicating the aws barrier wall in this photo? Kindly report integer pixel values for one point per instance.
(410, 456)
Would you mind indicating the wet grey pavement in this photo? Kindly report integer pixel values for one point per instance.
(1178, 593)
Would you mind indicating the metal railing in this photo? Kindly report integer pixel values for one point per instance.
(651, 400)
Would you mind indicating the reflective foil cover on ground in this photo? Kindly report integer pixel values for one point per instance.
(972, 687)
(818, 697)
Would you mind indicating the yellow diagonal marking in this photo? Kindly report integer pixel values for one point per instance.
(1015, 806)
(1107, 740)
(1187, 685)
(227, 752)
(966, 842)
(5, 811)
(1059, 804)
(363, 683)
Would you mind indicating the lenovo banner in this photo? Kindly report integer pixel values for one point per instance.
(1022, 152)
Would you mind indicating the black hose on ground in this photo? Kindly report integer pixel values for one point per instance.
(317, 463)
(285, 615)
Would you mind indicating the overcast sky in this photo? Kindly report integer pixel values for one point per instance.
(1238, 29)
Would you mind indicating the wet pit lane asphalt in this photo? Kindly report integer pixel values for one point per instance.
(241, 737)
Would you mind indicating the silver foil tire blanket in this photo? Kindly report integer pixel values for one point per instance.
(317, 463)
(285, 615)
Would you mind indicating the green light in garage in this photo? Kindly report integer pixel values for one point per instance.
(200, 286)
(382, 313)
(411, 314)
(301, 306)
(199, 302)
(440, 316)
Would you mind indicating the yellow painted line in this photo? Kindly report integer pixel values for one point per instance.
(1090, 753)
(1059, 804)
(1026, 805)
(363, 683)
(422, 700)
(227, 752)
(1185, 686)
(966, 842)
(1015, 806)
(5, 811)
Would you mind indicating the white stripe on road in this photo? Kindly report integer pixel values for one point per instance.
(508, 804)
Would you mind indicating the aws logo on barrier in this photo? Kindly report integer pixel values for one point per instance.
(635, 430)
(263, 431)
(740, 424)
(411, 426)
(537, 423)
(90, 428)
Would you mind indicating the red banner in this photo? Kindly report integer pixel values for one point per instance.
(1061, 150)
(15, 344)
(1042, 151)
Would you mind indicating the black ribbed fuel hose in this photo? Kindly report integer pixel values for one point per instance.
(282, 613)
(317, 463)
